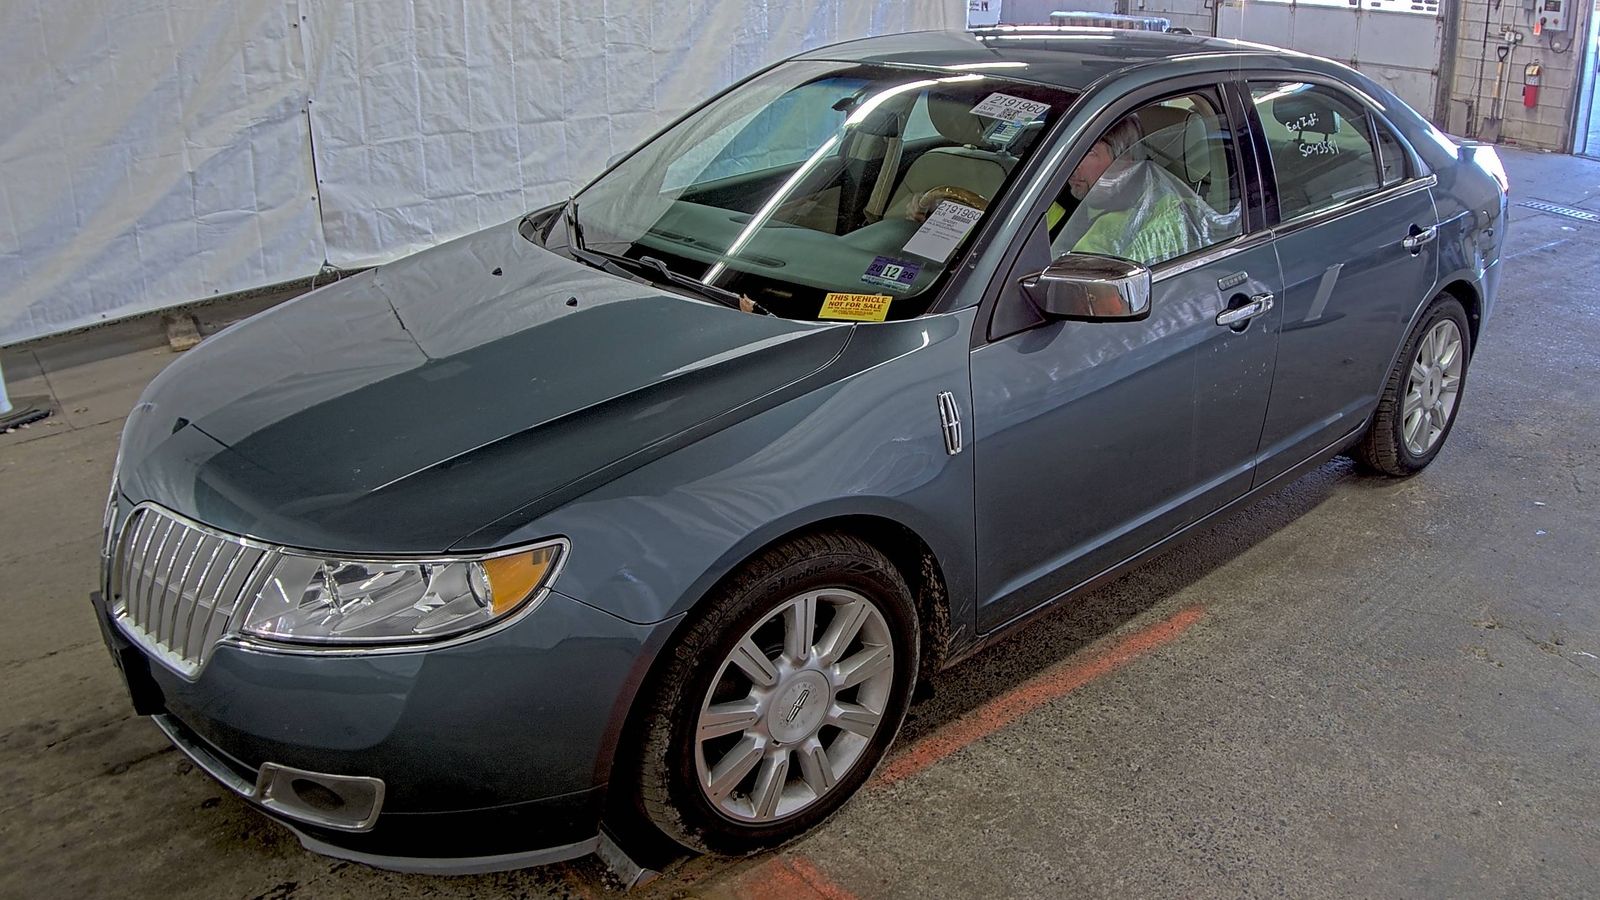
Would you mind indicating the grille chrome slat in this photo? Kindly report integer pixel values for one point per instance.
(135, 572)
(188, 549)
(148, 609)
(122, 563)
(216, 592)
(166, 591)
(199, 594)
(166, 604)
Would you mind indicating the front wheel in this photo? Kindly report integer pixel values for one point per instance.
(1420, 399)
(780, 698)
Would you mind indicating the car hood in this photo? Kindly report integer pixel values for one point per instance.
(403, 408)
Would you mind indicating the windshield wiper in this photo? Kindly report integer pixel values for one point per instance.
(596, 259)
(614, 263)
(574, 227)
(708, 291)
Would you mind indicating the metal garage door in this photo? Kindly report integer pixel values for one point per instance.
(1397, 43)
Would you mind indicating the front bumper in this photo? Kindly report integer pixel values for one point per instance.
(487, 755)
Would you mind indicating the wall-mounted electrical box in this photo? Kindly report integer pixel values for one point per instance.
(1551, 15)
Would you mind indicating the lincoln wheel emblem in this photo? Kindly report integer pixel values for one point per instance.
(799, 702)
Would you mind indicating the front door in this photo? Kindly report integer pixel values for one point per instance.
(1094, 440)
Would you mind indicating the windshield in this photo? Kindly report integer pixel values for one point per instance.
(819, 190)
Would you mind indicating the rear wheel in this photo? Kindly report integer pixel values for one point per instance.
(1420, 399)
(780, 698)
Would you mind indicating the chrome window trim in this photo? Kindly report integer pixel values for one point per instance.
(1172, 268)
(1353, 205)
(1175, 267)
(234, 636)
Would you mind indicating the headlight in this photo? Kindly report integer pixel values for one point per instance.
(343, 601)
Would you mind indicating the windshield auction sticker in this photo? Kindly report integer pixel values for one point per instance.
(1007, 108)
(943, 230)
(893, 274)
(856, 307)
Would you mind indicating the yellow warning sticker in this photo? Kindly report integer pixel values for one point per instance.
(856, 307)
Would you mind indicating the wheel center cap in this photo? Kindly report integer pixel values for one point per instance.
(799, 707)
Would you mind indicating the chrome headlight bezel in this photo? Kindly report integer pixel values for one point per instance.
(246, 634)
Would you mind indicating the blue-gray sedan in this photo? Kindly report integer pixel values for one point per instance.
(650, 509)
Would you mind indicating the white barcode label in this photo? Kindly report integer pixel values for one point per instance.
(1007, 108)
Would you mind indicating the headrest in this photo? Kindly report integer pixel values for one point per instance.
(1305, 112)
(1176, 138)
(954, 120)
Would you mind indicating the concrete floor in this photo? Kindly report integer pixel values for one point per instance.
(1390, 688)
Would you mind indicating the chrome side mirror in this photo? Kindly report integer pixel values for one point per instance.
(1091, 288)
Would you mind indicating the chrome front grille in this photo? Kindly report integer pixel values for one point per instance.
(176, 585)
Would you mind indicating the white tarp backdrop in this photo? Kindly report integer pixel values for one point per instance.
(152, 152)
(155, 152)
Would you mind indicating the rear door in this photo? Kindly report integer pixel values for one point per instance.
(1094, 440)
(1356, 231)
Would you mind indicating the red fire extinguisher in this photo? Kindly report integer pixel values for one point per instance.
(1530, 85)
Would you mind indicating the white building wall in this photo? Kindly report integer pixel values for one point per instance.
(1560, 54)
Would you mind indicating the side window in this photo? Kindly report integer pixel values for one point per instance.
(1394, 162)
(1321, 145)
(1161, 183)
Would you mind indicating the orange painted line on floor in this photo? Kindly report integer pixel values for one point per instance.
(1030, 695)
(817, 881)
(792, 878)
(798, 878)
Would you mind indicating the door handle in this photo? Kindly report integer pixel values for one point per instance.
(1419, 237)
(1258, 304)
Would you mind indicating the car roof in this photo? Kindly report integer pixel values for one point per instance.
(1071, 58)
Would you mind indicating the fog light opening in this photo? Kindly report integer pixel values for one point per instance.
(346, 802)
(319, 797)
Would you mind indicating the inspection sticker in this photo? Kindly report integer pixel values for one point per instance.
(1007, 108)
(856, 307)
(943, 230)
(1003, 133)
(891, 273)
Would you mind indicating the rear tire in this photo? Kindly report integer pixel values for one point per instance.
(741, 754)
(1422, 394)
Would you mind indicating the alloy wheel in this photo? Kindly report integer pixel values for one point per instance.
(794, 705)
(1433, 387)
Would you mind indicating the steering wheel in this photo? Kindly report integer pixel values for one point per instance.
(922, 205)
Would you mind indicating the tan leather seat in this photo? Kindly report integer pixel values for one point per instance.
(1177, 139)
(966, 166)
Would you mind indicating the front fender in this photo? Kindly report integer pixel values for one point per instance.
(649, 545)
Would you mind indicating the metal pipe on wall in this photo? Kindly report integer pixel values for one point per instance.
(1450, 13)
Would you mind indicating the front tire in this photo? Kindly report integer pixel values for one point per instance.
(780, 698)
(1423, 393)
